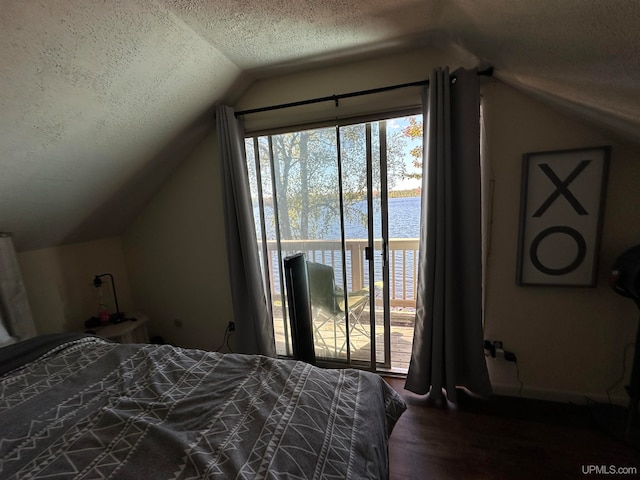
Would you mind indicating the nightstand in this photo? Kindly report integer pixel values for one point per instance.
(129, 331)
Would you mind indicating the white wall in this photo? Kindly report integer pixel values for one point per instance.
(175, 250)
(569, 341)
(176, 255)
(59, 284)
(381, 72)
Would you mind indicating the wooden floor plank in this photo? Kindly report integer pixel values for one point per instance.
(501, 438)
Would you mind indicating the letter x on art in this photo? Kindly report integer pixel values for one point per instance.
(562, 188)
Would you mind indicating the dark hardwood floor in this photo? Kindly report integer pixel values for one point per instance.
(504, 438)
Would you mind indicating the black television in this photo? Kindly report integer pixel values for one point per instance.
(299, 306)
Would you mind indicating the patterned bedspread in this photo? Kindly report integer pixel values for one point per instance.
(87, 408)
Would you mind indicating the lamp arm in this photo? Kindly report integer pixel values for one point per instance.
(97, 282)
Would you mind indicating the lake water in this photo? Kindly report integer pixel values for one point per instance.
(404, 221)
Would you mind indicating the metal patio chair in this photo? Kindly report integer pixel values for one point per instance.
(327, 305)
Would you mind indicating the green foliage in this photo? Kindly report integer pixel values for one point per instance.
(414, 131)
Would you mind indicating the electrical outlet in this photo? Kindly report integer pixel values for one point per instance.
(488, 346)
(496, 350)
(232, 326)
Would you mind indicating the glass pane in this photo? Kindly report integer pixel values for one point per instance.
(404, 158)
(378, 259)
(354, 178)
(308, 205)
(296, 201)
(272, 273)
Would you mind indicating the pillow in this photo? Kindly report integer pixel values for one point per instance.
(5, 338)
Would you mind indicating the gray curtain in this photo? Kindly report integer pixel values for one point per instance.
(254, 327)
(15, 313)
(448, 340)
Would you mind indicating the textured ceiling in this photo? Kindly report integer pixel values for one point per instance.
(97, 97)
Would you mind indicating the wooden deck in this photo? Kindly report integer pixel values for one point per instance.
(330, 340)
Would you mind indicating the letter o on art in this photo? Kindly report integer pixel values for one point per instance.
(577, 237)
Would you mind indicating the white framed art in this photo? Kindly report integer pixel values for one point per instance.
(561, 210)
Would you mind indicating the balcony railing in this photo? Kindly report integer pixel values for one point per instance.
(403, 264)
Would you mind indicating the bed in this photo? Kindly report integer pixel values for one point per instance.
(78, 406)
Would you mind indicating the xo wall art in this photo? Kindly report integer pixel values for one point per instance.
(561, 211)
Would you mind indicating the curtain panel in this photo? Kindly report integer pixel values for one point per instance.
(254, 326)
(448, 340)
(15, 313)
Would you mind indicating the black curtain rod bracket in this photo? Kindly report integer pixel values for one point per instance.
(487, 72)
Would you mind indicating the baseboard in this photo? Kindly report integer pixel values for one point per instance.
(577, 398)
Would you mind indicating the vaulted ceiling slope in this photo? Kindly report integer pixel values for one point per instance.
(98, 97)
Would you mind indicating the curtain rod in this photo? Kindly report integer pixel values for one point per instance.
(335, 98)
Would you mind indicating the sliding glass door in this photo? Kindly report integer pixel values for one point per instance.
(324, 192)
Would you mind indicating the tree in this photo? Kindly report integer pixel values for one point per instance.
(414, 131)
(305, 177)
